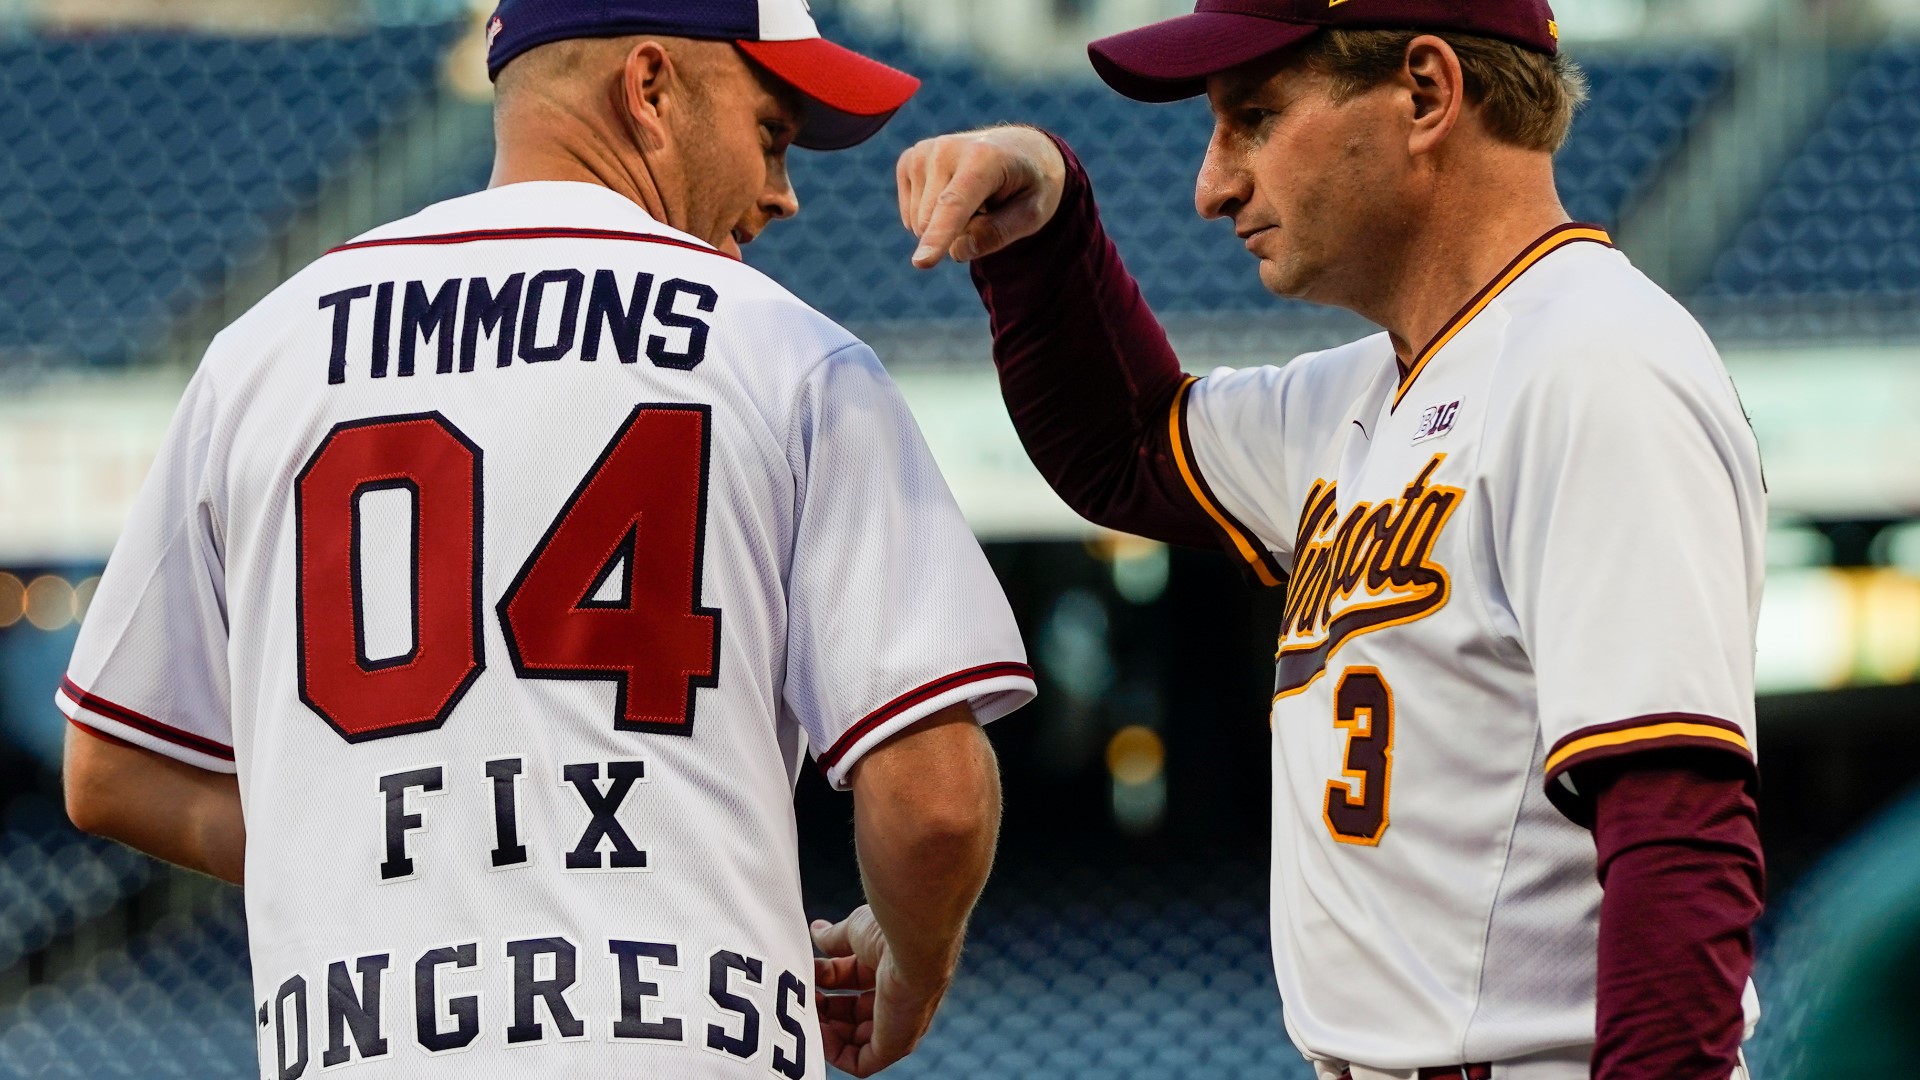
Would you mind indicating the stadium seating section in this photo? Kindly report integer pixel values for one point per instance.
(847, 254)
(1842, 222)
(135, 167)
(138, 166)
(173, 1005)
(53, 879)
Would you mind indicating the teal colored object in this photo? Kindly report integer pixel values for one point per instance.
(1838, 986)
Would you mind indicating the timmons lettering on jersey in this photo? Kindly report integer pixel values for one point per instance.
(538, 317)
(1381, 554)
(722, 1007)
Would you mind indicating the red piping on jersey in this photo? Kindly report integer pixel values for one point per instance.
(143, 723)
(914, 697)
(474, 236)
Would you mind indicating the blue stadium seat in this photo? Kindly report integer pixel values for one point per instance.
(1842, 222)
(134, 167)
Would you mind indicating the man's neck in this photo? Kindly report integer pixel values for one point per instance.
(566, 148)
(1475, 227)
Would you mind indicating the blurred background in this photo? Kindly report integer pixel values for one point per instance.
(163, 163)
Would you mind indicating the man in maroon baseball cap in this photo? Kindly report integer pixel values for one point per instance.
(1507, 842)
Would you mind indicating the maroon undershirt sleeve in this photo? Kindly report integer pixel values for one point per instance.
(1677, 835)
(1088, 374)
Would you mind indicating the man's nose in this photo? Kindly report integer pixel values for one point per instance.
(780, 200)
(1221, 188)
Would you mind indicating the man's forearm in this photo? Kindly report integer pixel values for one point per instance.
(925, 824)
(1681, 866)
(189, 817)
(1087, 372)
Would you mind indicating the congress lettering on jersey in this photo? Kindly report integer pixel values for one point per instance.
(381, 329)
(379, 1007)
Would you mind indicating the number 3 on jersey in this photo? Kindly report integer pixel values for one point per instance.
(1356, 808)
(611, 592)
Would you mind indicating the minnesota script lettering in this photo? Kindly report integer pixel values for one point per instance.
(1366, 570)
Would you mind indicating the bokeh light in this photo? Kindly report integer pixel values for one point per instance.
(50, 602)
(13, 600)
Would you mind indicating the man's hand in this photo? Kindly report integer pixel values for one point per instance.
(971, 194)
(871, 1013)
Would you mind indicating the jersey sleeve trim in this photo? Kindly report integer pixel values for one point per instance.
(97, 714)
(1240, 538)
(1658, 731)
(1556, 238)
(921, 701)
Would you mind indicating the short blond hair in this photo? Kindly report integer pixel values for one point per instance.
(1526, 98)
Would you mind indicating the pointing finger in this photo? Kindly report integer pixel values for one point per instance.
(953, 211)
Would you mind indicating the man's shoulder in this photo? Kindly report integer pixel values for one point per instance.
(1592, 300)
(1594, 333)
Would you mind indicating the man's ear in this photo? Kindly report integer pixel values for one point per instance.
(1437, 91)
(647, 91)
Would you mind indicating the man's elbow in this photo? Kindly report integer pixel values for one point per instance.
(960, 818)
(85, 808)
(936, 788)
(87, 777)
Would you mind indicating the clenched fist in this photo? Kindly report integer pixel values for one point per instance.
(973, 193)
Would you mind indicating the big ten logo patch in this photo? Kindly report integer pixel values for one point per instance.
(1436, 421)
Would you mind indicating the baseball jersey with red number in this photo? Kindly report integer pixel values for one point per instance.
(515, 556)
(1539, 546)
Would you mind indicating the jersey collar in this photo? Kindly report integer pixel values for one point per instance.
(1559, 236)
(549, 204)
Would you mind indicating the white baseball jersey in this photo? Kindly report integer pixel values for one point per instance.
(1539, 546)
(514, 555)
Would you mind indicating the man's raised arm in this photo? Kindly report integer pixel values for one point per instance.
(1087, 372)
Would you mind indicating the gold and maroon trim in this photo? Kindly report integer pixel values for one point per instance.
(1556, 238)
(1240, 538)
(913, 697)
(142, 723)
(1659, 731)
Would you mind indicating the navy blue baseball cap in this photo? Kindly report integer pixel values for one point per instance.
(849, 96)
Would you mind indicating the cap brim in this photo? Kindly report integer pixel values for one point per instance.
(1171, 60)
(849, 96)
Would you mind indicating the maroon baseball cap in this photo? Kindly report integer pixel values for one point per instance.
(1171, 60)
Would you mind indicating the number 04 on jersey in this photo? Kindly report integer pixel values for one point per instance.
(610, 594)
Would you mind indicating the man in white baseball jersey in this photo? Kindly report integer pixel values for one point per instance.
(501, 569)
(1513, 831)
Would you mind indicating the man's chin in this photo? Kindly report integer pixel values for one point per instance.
(1283, 281)
(729, 246)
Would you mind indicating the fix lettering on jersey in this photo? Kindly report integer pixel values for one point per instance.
(1436, 421)
(1367, 569)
